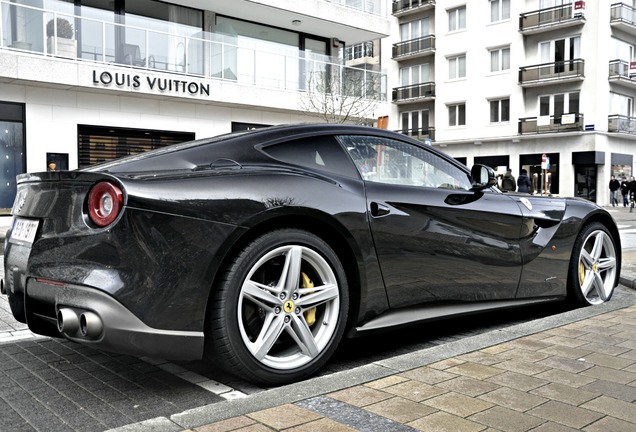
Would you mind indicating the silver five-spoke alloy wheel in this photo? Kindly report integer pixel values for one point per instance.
(597, 266)
(287, 319)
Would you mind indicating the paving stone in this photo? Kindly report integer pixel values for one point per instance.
(513, 399)
(469, 386)
(622, 392)
(567, 378)
(505, 419)
(566, 364)
(614, 407)
(613, 350)
(567, 352)
(610, 424)
(284, 416)
(481, 357)
(476, 371)
(386, 382)
(360, 396)
(441, 422)
(565, 414)
(447, 363)
(322, 425)
(415, 390)
(518, 381)
(608, 361)
(400, 410)
(607, 374)
(227, 425)
(428, 375)
(523, 354)
(458, 404)
(564, 393)
(522, 367)
(554, 427)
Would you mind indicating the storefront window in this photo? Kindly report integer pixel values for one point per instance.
(12, 151)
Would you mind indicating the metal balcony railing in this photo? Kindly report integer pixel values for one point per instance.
(622, 124)
(550, 72)
(202, 54)
(419, 134)
(549, 17)
(403, 6)
(420, 46)
(414, 92)
(569, 122)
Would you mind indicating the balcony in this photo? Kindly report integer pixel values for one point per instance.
(414, 48)
(407, 7)
(623, 17)
(552, 73)
(414, 93)
(26, 30)
(420, 134)
(619, 73)
(549, 19)
(621, 124)
(571, 122)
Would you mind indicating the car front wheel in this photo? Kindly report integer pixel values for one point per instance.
(280, 309)
(594, 266)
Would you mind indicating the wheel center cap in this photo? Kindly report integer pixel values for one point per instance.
(595, 268)
(288, 306)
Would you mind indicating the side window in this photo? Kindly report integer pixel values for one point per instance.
(385, 160)
(320, 153)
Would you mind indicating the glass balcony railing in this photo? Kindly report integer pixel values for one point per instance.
(552, 72)
(375, 7)
(420, 134)
(549, 17)
(569, 122)
(415, 92)
(621, 69)
(209, 55)
(403, 6)
(415, 47)
(622, 124)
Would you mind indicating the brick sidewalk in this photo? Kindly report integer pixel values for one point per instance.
(578, 376)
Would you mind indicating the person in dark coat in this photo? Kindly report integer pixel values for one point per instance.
(624, 192)
(508, 183)
(523, 182)
(614, 185)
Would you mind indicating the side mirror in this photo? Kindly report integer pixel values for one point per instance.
(482, 177)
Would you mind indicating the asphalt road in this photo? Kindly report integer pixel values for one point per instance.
(55, 385)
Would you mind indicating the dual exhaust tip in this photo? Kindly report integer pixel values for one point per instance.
(85, 324)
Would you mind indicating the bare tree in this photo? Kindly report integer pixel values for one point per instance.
(343, 95)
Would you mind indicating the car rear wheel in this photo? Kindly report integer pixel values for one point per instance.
(280, 309)
(594, 267)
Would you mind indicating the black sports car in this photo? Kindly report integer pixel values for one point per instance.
(261, 250)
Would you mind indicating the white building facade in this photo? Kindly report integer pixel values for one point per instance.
(83, 81)
(540, 85)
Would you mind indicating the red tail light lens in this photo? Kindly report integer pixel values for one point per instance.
(104, 203)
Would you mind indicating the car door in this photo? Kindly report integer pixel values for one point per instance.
(436, 239)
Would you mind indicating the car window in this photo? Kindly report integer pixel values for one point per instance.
(321, 152)
(385, 160)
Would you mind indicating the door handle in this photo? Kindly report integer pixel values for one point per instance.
(378, 209)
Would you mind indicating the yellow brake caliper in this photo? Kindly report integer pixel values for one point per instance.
(310, 315)
(581, 272)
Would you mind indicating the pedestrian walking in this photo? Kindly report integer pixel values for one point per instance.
(508, 183)
(614, 186)
(631, 190)
(624, 183)
(523, 182)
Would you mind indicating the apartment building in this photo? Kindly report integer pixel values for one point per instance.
(542, 85)
(83, 81)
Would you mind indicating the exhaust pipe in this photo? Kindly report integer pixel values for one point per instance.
(90, 325)
(67, 321)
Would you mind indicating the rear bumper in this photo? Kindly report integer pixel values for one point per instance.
(112, 326)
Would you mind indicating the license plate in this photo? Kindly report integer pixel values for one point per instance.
(24, 230)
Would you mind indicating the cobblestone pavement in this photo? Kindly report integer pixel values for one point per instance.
(569, 370)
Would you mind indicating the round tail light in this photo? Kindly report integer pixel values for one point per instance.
(104, 203)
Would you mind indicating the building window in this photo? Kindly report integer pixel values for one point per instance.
(358, 51)
(415, 29)
(12, 152)
(101, 143)
(457, 67)
(499, 59)
(499, 10)
(457, 114)
(500, 110)
(457, 19)
(415, 74)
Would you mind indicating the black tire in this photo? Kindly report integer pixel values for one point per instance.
(593, 271)
(270, 331)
